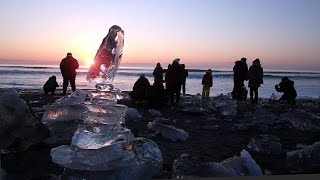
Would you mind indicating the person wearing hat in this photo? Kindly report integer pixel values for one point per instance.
(68, 66)
(207, 84)
(255, 77)
(289, 92)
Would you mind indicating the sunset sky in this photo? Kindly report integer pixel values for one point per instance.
(284, 34)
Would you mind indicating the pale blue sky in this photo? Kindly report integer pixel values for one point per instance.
(282, 33)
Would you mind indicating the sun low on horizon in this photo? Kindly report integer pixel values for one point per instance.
(89, 62)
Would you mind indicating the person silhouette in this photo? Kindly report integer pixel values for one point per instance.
(289, 92)
(207, 84)
(240, 74)
(174, 81)
(255, 77)
(139, 88)
(184, 78)
(68, 66)
(50, 85)
(158, 73)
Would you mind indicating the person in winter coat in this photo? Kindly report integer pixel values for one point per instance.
(289, 92)
(207, 84)
(50, 85)
(174, 81)
(139, 89)
(240, 74)
(184, 78)
(158, 73)
(255, 77)
(68, 67)
(167, 87)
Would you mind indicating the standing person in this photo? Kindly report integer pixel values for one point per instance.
(289, 92)
(255, 76)
(174, 81)
(166, 78)
(240, 74)
(68, 68)
(184, 78)
(207, 84)
(158, 73)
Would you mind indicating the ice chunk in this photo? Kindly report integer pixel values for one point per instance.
(64, 113)
(87, 159)
(77, 97)
(108, 57)
(105, 99)
(243, 165)
(144, 155)
(107, 114)
(169, 132)
(250, 164)
(98, 136)
(133, 113)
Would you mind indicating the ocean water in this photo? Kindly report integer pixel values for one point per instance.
(307, 84)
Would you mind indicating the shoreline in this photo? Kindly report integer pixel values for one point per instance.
(213, 137)
(125, 92)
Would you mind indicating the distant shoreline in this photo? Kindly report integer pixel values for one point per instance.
(149, 68)
(126, 93)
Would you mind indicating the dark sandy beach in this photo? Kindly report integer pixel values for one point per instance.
(212, 138)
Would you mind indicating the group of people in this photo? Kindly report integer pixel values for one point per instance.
(241, 73)
(173, 78)
(68, 66)
(175, 81)
(255, 77)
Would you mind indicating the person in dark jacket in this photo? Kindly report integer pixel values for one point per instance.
(139, 89)
(158, 73)
(166, 78)
(240, 74)
(184, 78)
(68, 67)
(174, 81)
(155, 95)
(255, 77)
(289, 92)
(207, 84)
(50, 85)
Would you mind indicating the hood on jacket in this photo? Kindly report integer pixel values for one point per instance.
(287, 80)
(256, 62)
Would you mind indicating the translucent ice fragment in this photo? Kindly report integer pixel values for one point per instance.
(64, 113)
(77, 97)
(108, 57)
(98, 136)
(105, 114)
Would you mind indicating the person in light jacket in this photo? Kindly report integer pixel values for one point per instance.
(207, 84)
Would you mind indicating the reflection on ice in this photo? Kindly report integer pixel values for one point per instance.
(105, 114)
(64, 113)
(98, 136)
(77, 97)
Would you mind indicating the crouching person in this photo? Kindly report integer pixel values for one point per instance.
(289, 92)
(50, 85)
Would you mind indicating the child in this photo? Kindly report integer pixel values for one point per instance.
(50, 85)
